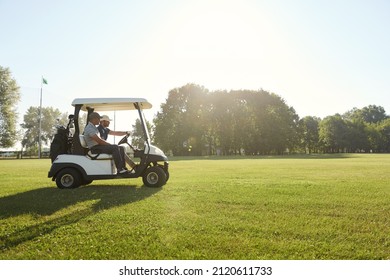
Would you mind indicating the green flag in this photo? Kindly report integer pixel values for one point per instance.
(44, 81)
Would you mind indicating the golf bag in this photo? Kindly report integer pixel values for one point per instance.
(62, 141)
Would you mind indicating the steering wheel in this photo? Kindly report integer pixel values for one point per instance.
(124, 141)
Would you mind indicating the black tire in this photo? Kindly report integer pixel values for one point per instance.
(154, 177)
(167, 175)
(68, 178)
(86, 182)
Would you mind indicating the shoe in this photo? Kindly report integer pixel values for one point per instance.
(123, 170)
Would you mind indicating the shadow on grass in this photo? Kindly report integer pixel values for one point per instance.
(49, 200)
(292, 156)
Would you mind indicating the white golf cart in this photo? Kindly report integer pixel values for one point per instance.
(74, 165)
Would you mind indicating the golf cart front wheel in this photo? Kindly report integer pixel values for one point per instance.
(154, 177)
(68, 178)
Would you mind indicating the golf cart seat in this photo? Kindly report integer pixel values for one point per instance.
(89, 153)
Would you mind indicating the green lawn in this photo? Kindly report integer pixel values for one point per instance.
(304, 207)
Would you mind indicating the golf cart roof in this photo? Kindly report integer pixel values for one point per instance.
(112, 103)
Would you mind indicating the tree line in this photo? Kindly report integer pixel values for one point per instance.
(196, 121)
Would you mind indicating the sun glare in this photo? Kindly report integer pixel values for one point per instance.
(217, 44)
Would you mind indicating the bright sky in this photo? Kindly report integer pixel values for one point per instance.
(323, 57)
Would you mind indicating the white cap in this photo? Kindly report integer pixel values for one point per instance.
(105, 118)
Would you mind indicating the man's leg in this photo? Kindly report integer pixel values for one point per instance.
(114, 150)
(126, 157)
(118, 157)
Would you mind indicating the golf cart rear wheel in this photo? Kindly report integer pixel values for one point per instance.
(68, 178)
(154, 177)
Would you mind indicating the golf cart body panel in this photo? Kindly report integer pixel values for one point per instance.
(90, 167)
(79, 166)
(156, 152)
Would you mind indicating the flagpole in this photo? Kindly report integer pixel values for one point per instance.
(40, 121)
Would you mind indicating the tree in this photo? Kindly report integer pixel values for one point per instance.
(361, 124)
(357, 137)
(333, 133)
(271, 125)
(50, 117)
(383, 140)
(221, 119)
(180, 124)
(309, 131)
(368, 114)
(195, 121)
(137, 135)
(9, 96)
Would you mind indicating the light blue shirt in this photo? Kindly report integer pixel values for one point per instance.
(89, 131)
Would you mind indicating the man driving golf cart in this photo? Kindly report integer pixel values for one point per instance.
(105, 131)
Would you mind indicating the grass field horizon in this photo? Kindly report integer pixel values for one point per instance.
(288, 207)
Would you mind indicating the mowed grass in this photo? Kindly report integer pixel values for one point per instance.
(308, 207)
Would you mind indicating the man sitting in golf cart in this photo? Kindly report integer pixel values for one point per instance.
(105, 131)
(98, 145)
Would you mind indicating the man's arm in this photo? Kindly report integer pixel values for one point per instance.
(99, 140)
(118, 133)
